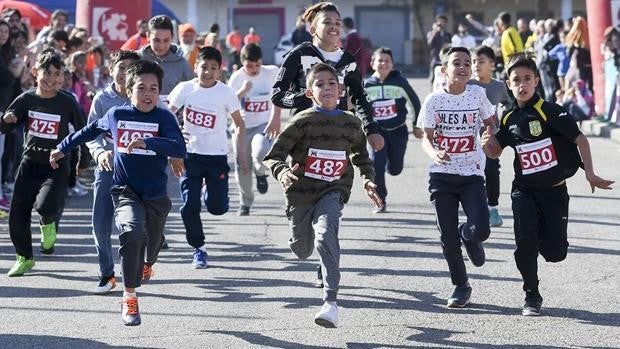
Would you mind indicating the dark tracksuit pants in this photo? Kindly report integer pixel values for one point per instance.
(213, 169)
(540, 224)
(39, 186)
(447, 191)
(491, 176)
(141, 225)
(390, 158)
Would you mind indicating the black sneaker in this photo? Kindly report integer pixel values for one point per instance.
(243, 211)
(474, 249)
(460, 297)
(261, 184)
(319, 278)
(164, 244)
(533, 302)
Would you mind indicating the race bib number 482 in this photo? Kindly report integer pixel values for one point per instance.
(326, 165)
(536, 157)
(43, 125)
(130, 130)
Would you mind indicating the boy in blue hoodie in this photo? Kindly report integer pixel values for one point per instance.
(144, 136)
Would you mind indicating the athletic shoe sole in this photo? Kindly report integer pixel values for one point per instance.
(457, 305)
(324, 323)
(530, 312)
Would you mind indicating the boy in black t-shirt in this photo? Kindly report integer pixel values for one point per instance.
(548, 149)
(48, 114)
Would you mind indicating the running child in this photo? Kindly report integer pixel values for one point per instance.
(206, 104)
(318, 179)
(102, 150)
(144, 136)
(392, 99)
(549, 148)
(484, 66)
(47, 115)
(452, 121)
(252, 84)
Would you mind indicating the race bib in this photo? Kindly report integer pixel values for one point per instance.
(200, 118)
(384, 110)
(43, 125)
(130, 130)
(256, 104)
(536, 157)
(456, 145)
(326, 165)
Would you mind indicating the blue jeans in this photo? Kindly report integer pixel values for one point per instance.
(103, 220)
(213, 169)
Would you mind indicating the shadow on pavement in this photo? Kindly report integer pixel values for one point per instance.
(50, 342)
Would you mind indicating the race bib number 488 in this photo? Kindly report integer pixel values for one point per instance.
(200, 118)
(536, 157)
(130, 130)
(43, 125)
(326, 165)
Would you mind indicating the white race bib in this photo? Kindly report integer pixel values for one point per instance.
(43, 125)
(326, 165)
(536, 157)
(384, 110)
(130, 130)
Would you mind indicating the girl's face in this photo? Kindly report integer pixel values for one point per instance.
(458, 69)
(48, 80)
(382, 64)
(4, 34)
(327, 27)
(522, 81)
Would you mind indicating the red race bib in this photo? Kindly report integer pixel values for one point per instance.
(384, 110)
(536, 157)
(255, 105)
(43, 125)
(200, 118)
(326, 165)
(129, 130)
(456, 145)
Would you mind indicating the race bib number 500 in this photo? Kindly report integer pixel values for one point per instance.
(537, 156)
(43, 125)
(130, 130)
(326, 165)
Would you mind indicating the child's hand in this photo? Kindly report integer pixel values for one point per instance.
(418, 132)
(136, 143)
(9, 118)
(598, 182)
(376, 141)
(272, 129)
(371, 191)
(289, 178)
(105, 160)
(55, 155)
(177, 165)
(247, 86)
(441, 157)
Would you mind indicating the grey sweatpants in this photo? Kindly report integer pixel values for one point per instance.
(318, 225)
(254, 157)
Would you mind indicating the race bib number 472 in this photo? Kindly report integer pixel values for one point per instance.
(325, 165)
(536, 157)
(43, 125)
(130, 130)
(456, 145)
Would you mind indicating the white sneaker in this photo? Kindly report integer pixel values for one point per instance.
(328, 315)
(77, 191)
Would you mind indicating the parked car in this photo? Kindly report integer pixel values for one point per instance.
(282, 48)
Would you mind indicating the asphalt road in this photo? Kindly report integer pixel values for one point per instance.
(393, 290)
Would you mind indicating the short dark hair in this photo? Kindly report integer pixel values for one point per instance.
(451, 50)
(161, 22)
(251, 52)
(312, 11)
(486, 51)
(59, 35)
(74, 42)
(209, 52)
(438, 17)
(317, 68)
(348, 22)
(504, 17)
(141, 67)
(57, 13)
(524, 60)
(383, 50)
(122, 55)
(47, 58)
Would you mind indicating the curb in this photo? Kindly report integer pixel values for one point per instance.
(601, 129)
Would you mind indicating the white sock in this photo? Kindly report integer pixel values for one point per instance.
(203, 248)
(492, 207)
(129, 294)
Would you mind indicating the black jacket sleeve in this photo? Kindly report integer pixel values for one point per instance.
(286, 92)
(355, 89)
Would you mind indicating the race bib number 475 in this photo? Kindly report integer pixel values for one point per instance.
(43, 125)
(130, 130)
(326, 165)
(536, 157)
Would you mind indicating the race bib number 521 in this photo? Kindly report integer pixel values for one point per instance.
(130, 130)
(326, 165)
(536, 157)
(43, 125)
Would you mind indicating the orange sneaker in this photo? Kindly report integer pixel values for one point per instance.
(147, 273)
(130, 312)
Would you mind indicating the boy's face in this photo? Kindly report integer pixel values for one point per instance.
(458, 68)
(382, 64)
(207, 71)
(48, 80)
(160, 40)
(118, 72)
(145, 92)
(327, 27)
(252, 68)
(325, 90)
(522, 81)
(483, 66)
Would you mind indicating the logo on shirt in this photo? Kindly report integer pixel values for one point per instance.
(535, 128)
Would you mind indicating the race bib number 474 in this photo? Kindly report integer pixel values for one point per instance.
(325, 165)
(130, 130)
(43, 125)
(536, 157)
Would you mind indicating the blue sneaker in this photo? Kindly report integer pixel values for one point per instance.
(200, 259)
(495, 220)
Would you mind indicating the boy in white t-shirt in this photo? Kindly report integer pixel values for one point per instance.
(252, 84)
(206, 104)
(452, 120)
